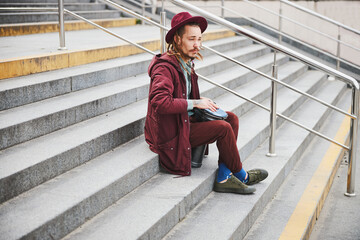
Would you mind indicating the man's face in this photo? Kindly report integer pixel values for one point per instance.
(190, 42)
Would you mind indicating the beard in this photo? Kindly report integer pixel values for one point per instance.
(187, 56)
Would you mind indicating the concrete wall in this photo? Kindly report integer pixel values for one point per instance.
(346, 12)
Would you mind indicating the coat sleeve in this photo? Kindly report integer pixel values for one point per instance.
(161, 92)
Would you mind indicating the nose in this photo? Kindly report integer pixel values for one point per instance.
(197, 44)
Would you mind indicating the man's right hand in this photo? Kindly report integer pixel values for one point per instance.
(205, 103)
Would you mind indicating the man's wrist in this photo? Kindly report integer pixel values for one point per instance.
(196, 102)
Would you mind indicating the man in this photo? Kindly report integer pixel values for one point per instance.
(171, 130)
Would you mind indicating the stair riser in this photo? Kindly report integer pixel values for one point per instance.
(16, 184)
(71, 7)
(225, 47)
(15, 181)
(51, 168)
(247, 106)
(240, 80)
(224, 64)
(88, 208)
(33, 93)
(50, 123)
(280, 177)
(300, 101)
(265, 132)
(164, 225)
(47, 1)
(179, 212)
(38, 127)
(7, 18)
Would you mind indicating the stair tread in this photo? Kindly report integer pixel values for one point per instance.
(21, 81)
(13, 46)
(289, 193)
(70, 189)
(141, 201)
(46, 107)
(68, 109)
(86, 127)
(67, 138)
(17, 82)
(21, 169)
(251, 90)
(202, 221)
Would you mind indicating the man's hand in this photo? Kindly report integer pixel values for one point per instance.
(205, 103)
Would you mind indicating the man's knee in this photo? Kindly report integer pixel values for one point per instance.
(232, 119)
(222, 126)
(232, 116)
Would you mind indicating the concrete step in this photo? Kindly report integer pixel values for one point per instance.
(36, 119)
(79, 194)
(28, 89)
(85, 47)
(35, 194)
(46, 1)
(19, 29)
(292, 193)
(235, 214)
(46, 157)
(36, 87)
(25, 17)
(135, 93)
(69, 6)
(156, 206)
(85, 139)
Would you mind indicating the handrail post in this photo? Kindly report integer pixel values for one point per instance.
(222, 8)
(271, 152)
(143, 11)
(61, 25)
(280, 23)
(350, 189)
(162, 32)
(338, 50)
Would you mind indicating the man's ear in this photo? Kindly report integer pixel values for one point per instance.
(177, 39)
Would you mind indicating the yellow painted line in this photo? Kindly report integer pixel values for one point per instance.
(22, 66)
(308, 209)
(7, 30)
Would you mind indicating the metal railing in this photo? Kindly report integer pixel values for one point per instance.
(354, 115)
(280, 30)
(279, 48)
(282, 34)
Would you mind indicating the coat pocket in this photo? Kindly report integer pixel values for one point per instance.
(169, 155)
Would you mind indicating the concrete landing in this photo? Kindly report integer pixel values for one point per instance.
(27, 54)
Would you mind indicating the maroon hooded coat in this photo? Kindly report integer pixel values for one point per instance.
(167, 125)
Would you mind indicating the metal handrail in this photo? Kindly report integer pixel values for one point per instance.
(286, 35)
(235, 61)
(302, 25)
(258, 38)
(320, 16)
(347, 79)
(355, 93)
(277, 47)
(338, 39)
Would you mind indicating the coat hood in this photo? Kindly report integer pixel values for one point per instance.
(164, 58)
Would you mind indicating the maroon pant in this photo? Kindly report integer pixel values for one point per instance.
(224, 133)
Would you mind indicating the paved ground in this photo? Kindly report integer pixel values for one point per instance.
(340, 218)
